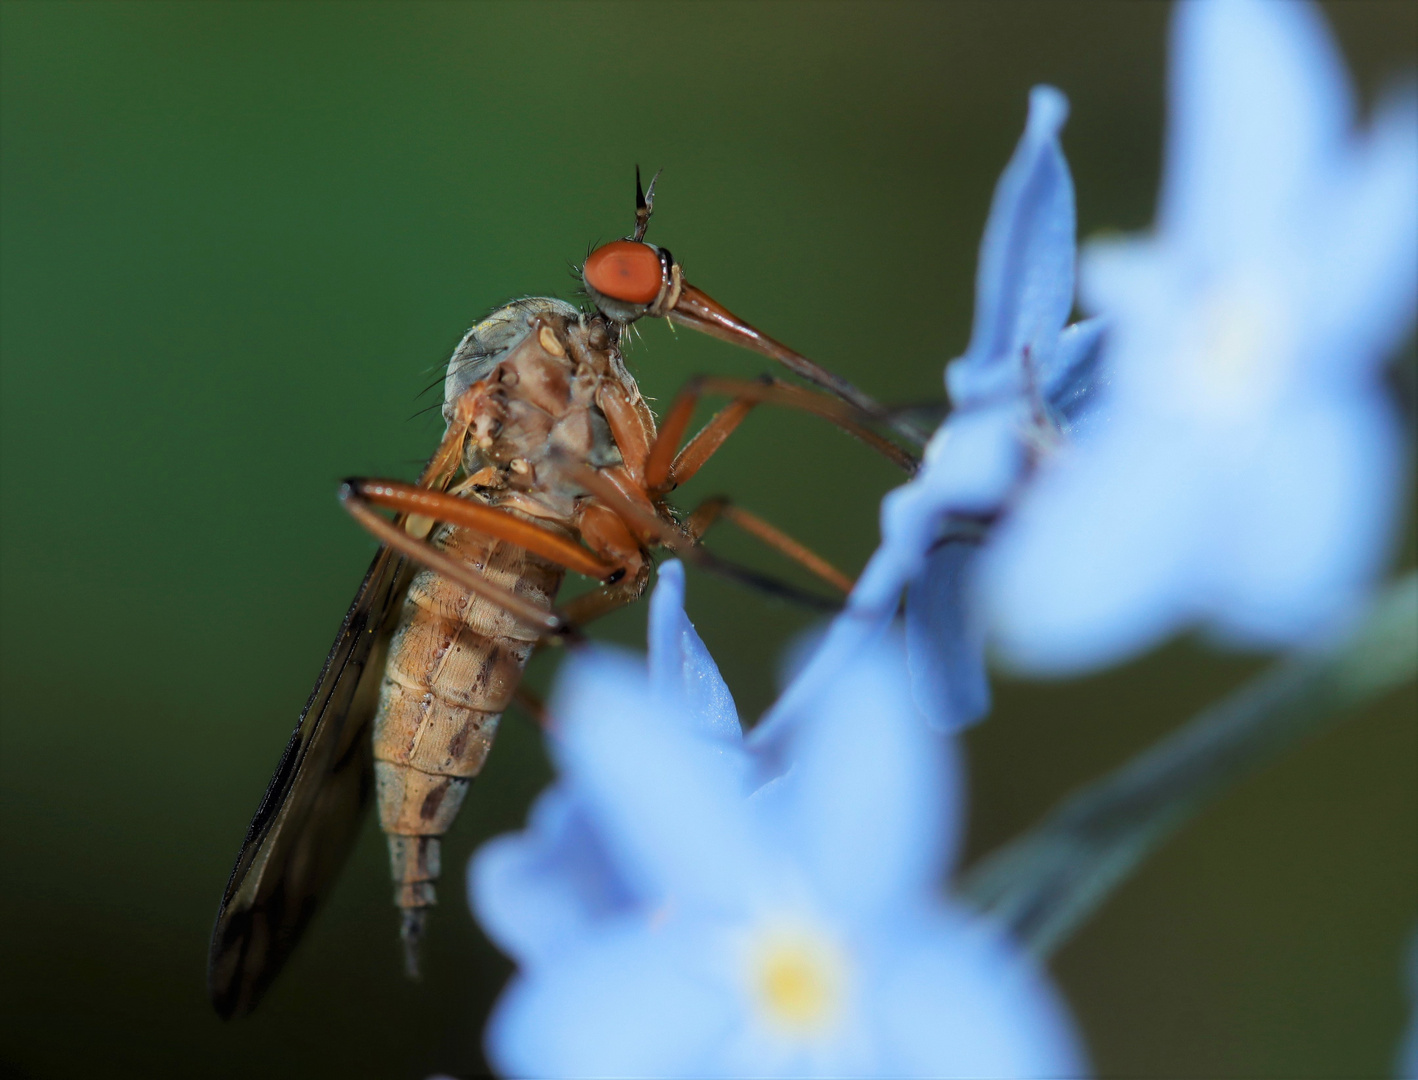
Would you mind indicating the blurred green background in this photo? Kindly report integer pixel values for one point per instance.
(238, 241)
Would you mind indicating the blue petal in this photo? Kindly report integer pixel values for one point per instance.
(1073, 379)
(1269, 540)
(972, 462)
(628, 1002)
(536, 891)
(971, 465)
(1137, 284)
(956, 1000)
(1024, 284)
(870, 808)
(848, 636)
(1366, 257)
(1101, 559)
(667, 802)
(799, 651)
(1260, 106)
(681, 669)
(945, 641)
(1306, 520)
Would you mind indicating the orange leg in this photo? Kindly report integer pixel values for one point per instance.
(655, 530)
(604, 600)
(664, 470)
(711, 510)
(421, 551)
(413, 503)
(435, 505)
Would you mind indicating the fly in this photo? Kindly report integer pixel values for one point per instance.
(551, 462)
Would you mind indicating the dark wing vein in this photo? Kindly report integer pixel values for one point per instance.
(310, 816)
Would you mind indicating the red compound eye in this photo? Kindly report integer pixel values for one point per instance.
(625, 271)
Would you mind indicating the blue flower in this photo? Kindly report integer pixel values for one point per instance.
(1024, 382)
(1248, 475)
(717, 928)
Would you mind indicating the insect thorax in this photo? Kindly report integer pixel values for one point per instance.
(524, 383)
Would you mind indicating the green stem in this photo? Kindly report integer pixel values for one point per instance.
(1044, 884)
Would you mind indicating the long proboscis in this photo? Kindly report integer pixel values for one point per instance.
(695, 308)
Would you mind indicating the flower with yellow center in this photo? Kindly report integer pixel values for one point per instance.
(673, 915)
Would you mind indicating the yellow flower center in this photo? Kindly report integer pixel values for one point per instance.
(798, 982)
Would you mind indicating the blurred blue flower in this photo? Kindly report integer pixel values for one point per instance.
(719, 930)
(1024, 380)
(1247, 478)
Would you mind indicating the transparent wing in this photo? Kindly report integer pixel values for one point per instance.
(312, 810)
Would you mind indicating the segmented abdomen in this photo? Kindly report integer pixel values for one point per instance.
(454, 662)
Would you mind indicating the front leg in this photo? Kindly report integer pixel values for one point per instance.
(665, 469)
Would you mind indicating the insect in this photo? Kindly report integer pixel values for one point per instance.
(551, 462)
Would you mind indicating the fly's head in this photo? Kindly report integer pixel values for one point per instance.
(627, 279)
(630, 278)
